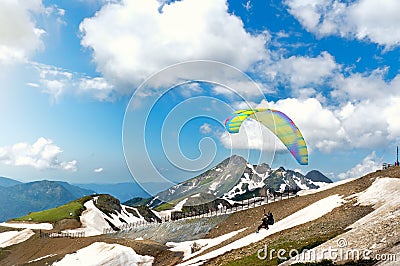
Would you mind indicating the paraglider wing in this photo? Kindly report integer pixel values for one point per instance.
(279, 123)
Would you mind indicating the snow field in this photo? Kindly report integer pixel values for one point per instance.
(14, 237)
(100, 253)
(310, 213)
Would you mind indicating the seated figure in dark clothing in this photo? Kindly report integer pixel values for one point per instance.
(264, 223)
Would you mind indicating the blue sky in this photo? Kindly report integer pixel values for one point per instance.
(70, 68)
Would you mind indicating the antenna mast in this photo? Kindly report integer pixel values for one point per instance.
(397, 158)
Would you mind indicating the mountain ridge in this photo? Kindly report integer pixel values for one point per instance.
(23, 198)
(236, 179)
(8, 182)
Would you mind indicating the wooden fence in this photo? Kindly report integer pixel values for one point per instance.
(195, 214)
(61, 234)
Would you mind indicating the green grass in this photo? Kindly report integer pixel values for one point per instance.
(164, 207)
(281, 243)
(56, 214)
(330, 263)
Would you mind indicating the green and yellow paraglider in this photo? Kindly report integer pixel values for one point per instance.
(279, 123)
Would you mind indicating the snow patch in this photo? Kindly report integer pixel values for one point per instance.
(179, 206)
(384, 195)
(213, 186)
(100, 253)
(310, 213)
(43, 226)
(14, 237)
(94, 221)
(325, 187)
(376, 231)
(202, 244)
(41, 258)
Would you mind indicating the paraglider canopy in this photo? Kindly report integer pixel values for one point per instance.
(279, 123)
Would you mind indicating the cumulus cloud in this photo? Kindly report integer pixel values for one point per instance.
(205, 128)
(369, 164)
(320, 127)
(19, 34)
(144, 42)
(301, 71)
(357, 119)
(98, 87)
(368, 108)
(252, 135)
(98, 170)
(371, 20)
(43, 154)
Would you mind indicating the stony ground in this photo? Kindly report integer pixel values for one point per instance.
(307, 235)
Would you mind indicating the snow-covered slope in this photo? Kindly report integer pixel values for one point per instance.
(94, 221)
(14, 237)
(236, 179)
(100, 253)
(312, 212)
(373, 234)
(33, 226)
(195, 247)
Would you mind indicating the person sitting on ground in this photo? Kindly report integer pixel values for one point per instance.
(264, 223)
(270, 217)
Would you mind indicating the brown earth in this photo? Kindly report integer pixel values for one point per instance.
(65, 224)
(322, 229)
(326, 227)
(37, 247)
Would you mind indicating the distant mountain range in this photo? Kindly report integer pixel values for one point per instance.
(17, 198)
(8, 182)
(22, 198)
(122, 191)
(234, 179)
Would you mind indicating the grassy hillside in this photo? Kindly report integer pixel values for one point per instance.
(59, 213)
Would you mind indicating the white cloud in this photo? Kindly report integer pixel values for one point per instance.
(205, 128)
(364, 114)
(300, 71)
(247, 6)
(57, 82)
(148, 40)
(361, 86)
(369, 164)
(320, 127)
(98, 170)
(371, 20)
(368, 108)
(98, 87)
(19, 35)
(252, 135)
(43, 154)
